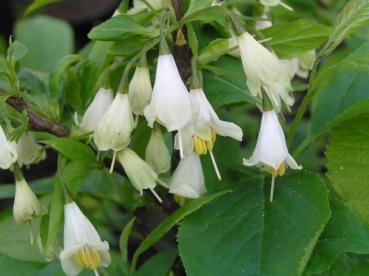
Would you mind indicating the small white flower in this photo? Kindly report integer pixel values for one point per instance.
(188, 178)
(139, 6)
(29, 152)
(140, 89)
(83, 247)
(265, 71)
(170, 104)
(302, 64)
(157, 154)
(96, 110)
(200, 133)
(8, 151)
(141, 175)
(263, 23)
(271, 152)
(114, 130)
(274, 3)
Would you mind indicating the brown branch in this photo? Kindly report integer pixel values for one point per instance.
(35, 121)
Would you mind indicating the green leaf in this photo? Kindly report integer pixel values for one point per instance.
(348, 264)
(12, 267)
(205, 15)
(19, 50)
(121, 27)
(347, 81)
(158, 265)
(240, 234)
(226, 84)
(47, 39)
(72, 90)
(354, 16)
(344, 233)
(214, 50)
(295, 38)
(15, 239)
(71, 149)
(37, 4)
(55, 85)
(348, 159)
(123, 240)
(169, 222)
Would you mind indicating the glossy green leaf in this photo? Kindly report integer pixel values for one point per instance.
(348, 159)
(47, 39)
(344, 233)
(37, 4)
(121, 27)
(240, 234)
(170, 221)
(292, 39)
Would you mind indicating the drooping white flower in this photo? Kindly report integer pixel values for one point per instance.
(200, 133)
(271, 152)
(302, 64)
(170, 104)
(140, 89)
(26, 205)
(157, 154)
(188, 178)
(114, 130)
(265, 71)
(8, 151)
(96, 110)
(83, 247)
(29, 152)
(141, 175)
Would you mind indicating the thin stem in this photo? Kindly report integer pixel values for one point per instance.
(215, 166)
(162, 183)
(286, 6)
(30, 232)
(96, 272)
(272, 189)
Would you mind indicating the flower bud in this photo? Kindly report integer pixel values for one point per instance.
(157, 154)
(97, 109)
(141, 175)
(29, 152)
(140, 89)
(26, 205)
(8, 151)
(114, 130)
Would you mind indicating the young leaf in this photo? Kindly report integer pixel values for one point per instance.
(169, 222)
(123, 240)
(37, 4)
(354, 16)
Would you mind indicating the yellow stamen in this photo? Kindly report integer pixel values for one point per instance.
(181, 200)
(213, 136)
(281, 170)
(200, 146)
(88, 258)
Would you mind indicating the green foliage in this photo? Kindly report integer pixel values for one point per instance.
(243, 235)
(37, 4)
(158, 265)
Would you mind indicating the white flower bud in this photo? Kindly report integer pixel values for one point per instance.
(26, 205)
(29, 152)
(141, 175)
(302, 64)
(83, 247)
(265, 71)
(139, 6)
(140, 89)
(157, 154)
(188, 178)
(8, 151)
(97, 109)
(114, 130)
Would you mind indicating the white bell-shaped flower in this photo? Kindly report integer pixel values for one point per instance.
(170, 104)
(8, 151)
(26, 205)
(188, 178)
(265, 71)
(302, 64)
(83, 247)
(157, 154)
(200, 133)
(29, 152)
(140, 89)
(140, 174)
(271, 152)
(114, 130)
(96, 110)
